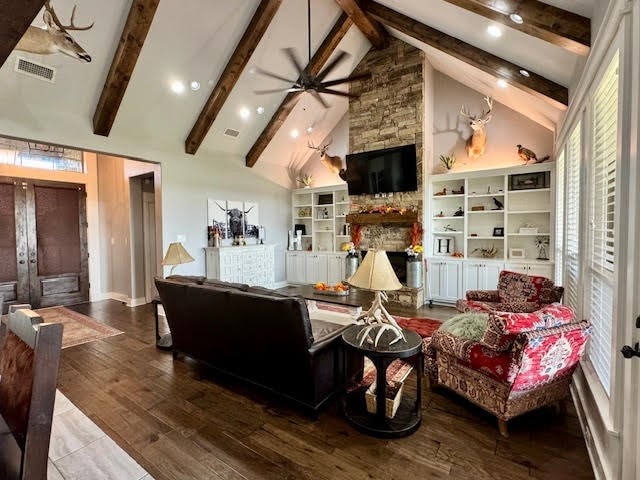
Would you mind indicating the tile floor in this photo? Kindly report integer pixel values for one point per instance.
(80, 450)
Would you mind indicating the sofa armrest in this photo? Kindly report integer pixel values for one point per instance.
(483, 295)
(324, 333)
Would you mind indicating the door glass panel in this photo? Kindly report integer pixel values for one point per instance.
(58, 230)
(8, 266)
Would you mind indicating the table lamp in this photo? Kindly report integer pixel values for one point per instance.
(176, 255)
(375, 273)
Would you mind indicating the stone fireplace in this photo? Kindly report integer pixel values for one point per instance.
(389, 113)
(398, 262)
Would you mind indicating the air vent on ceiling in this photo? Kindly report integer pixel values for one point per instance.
(230, 132)
(35, 70)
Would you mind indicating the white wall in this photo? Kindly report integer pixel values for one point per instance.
(506, 129)
(188, 185)
(339, 138)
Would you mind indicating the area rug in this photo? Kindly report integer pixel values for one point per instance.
(78, 328)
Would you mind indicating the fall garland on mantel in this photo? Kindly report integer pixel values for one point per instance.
(382, 209)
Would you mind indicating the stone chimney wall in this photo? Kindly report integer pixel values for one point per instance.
(389, 113)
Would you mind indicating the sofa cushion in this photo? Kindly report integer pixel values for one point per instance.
(517, 287)
(503, 327)
(243, 287)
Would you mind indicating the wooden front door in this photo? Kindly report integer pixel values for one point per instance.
(44, 246)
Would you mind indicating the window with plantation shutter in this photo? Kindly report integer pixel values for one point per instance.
(572, 224)
(601, 255)
(559, 235)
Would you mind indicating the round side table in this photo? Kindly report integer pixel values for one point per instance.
(409, 414)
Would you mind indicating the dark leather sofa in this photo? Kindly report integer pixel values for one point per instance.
(259, 336)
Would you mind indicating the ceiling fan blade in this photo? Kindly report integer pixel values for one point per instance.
(332, 65)
(291, 53)
(330, 91)
(317, 96)
(362, 76)
(277, 90)
(273, 75)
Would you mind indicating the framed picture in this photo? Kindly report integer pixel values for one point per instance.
(498, 231)
(444, 245)
(517, 253)
(529, 181)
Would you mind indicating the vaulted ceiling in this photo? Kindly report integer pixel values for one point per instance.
(141, 47)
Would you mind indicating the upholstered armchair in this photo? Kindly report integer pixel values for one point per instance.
(522, 362)
(516, 292)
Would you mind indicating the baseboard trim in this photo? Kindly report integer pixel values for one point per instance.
(121, 297)
(594, 447)
(136, 302)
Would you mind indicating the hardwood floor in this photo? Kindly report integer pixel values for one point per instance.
(179, 421)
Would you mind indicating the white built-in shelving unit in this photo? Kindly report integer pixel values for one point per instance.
(526, 196)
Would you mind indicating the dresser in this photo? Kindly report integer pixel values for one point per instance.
(251, 264)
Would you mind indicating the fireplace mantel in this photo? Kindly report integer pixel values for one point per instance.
(407, 218)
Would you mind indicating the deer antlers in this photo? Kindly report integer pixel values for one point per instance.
(56, 20)
(483, 116)
(321, 149)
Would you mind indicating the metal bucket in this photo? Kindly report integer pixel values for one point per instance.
(351, 265)
(414, 273)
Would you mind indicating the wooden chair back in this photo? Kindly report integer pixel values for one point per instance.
(29, 358)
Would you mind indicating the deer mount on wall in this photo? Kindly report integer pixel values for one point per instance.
(332, 163)
(55, 37)
(477, 142)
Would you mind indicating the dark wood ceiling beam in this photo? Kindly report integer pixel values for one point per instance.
(15, 18)
(371, 29)
(231, 73)
(547, 22)
(124, 61)
(337, 33)
(485, 61)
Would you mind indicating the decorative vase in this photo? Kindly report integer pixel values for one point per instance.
(414, 272)
(351, 265)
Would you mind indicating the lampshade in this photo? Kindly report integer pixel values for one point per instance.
(176, 255)
(375, 273)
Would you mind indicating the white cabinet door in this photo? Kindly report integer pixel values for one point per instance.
(316, 268)
(532, 269)
(541, 270)
(335, 268)
(490, 275)
(517, 267)
(296, 268)
(472, 276)
(445, 280)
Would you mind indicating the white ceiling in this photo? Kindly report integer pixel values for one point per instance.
(193, 40)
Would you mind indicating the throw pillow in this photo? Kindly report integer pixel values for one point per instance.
(470, 325)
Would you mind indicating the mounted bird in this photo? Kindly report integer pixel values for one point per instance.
(527, 155)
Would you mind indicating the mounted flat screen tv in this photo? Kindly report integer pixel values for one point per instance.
(382, 171)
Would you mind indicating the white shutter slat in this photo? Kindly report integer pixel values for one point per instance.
(602, 254)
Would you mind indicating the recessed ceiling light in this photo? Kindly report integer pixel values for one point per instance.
(178, 87)
(245, 113)
(309, 129)
(260, 110)
(524, 73)
(515, 18)
(252, 70)
(295, 133)
(195, 85)
(502, 83)
(494, 31)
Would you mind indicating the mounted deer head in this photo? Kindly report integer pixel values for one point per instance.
(332, 163)
(477, 142)
(55, 38)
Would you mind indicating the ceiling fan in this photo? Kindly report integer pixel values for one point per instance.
(313, 84)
